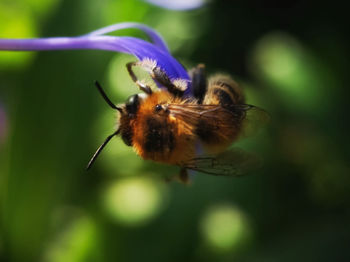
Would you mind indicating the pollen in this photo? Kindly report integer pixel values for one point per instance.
(148, 64)
(181, 84)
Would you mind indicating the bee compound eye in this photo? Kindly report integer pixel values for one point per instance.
(132, 104)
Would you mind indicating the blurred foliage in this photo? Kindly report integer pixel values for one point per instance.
(21, 18)
(293, 62)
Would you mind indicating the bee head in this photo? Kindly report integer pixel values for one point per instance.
(128, 113)
(132, 105)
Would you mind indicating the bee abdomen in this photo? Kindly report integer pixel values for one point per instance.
(207, 132)
(224, 97)
(224, 91)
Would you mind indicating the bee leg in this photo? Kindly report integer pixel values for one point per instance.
(157, 75)
(145, 88)
(199, 82)
(163, 79)
(183, 176)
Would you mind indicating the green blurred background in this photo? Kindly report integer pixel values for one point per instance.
(292, 61)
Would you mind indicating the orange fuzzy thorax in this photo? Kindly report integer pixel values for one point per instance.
(176, 135)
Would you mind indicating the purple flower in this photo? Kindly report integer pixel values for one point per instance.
(178, 4)
(155, 50)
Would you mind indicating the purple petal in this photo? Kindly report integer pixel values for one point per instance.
(143, 50)
(178, 4)
(152, 34)
(130, 45)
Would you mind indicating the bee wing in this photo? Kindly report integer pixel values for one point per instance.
(234, 162)
(254, 119)
(248, 118)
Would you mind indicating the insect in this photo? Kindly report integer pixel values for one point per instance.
(193, 132)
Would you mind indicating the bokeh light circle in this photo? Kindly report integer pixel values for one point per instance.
(225, 228)
(134, 201)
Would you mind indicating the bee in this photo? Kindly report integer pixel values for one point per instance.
(193, 132)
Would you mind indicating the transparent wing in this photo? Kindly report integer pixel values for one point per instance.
(247, 118)
(255, 118)
(234, 162)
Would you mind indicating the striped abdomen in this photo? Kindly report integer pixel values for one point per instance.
(224, 91)
(216, 136)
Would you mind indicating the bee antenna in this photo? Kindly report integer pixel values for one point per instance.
(98, 151)
(105, 97)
